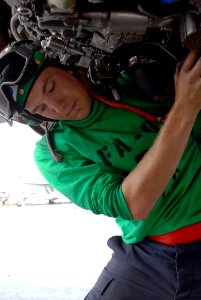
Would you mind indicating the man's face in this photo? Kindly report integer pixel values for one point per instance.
(58, 95)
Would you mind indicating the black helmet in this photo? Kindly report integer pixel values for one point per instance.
(20, 65)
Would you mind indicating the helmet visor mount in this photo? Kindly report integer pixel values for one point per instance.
(16, 68)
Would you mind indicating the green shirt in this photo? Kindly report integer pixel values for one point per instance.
(99, 151)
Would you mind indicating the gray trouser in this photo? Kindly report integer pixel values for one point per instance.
(150, 271)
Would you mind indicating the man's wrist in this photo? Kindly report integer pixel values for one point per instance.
(183, 114)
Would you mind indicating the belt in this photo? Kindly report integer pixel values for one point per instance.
(182, 235)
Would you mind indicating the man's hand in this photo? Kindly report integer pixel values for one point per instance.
(146, 183)
(188, 82)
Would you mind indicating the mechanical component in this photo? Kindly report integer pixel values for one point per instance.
(106, 37)
(65, 4)
(191, 31)
(94, 34)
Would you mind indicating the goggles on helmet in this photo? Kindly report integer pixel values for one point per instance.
(18, 67)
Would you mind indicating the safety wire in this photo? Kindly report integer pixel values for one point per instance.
(56, 156)
(116, 104)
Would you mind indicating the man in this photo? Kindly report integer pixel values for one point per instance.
(115, 162)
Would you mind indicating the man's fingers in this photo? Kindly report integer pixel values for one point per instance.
(177, 70)
(191, 60)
